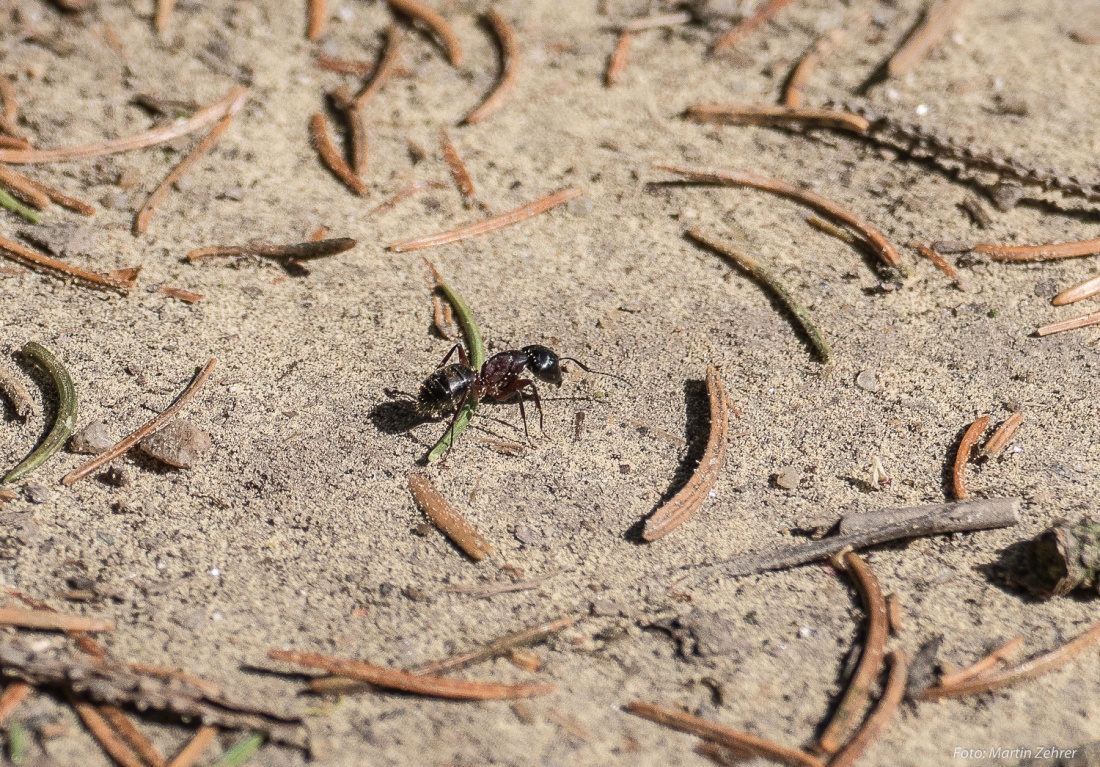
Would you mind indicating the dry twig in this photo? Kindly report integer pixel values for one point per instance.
(492, 224)
(1073, 323)
(447, 518)
(998, 657)
(40, 262)
(882, 247)
(688, 500)
(463, 180)
(937, 20)
(509, 68)
(229, 105)
(419, 11)
(1002, 435)
(99, 727)
(302, 251)
(937, 260)
(1078, 292)
(749, 24)
(751, 114)
(195, 747)
(318, 15)
(962, 457)
(887, 706)
(135, 738)
(22, 187)
(145, 429)
(851, 705)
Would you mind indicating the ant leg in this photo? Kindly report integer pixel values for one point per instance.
(454, 420)
(517, 387)
(461, 355)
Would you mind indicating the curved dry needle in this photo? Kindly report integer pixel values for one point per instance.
(66, 412)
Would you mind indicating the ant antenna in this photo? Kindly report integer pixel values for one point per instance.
(587, 369)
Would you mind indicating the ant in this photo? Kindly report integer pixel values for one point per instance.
(500, 379)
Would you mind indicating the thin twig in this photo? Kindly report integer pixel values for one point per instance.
(145, 429)
(1038, 252)
(420, 11)
(432, 686)
(937, 520)
(135, 738)
(748, 25)
(448, 519)
(936, 23)
(1029, 669)
(1082, 321)
(937, 260)
(752, 114)
(344, 66)
(509, 68)
(740, 742)
(21, 186)
(14, 694)
(875, 723)
(1001, 435)
(61, 198)
(330, 156)
(475, 347)
(200, 741)
(962, 457)
(852, 703)
(691, 496)
(302, 251)
(229, 105)
(102, 732)
(616, 64)
(318, 15)
(463, 180)
(41, 620)
(882, 247)
(141, 220)
(764, 275)
(996, 658)
(492, 224)
(1078, 292)
(66, 412)
(163, 15)
(808, 64)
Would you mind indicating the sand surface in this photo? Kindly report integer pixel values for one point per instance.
(297, 529)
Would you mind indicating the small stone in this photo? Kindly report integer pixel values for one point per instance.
(37, 493)
(624, 468)
(868, 380)
(115, 200)
(789, 478)
(178, 444)
(92, 439)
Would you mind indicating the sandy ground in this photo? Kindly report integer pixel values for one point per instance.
(297, 528)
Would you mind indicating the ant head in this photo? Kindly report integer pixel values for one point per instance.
(544, 363)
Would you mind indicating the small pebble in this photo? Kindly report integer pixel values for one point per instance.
(116, 477)
(867, 380)
(37, 493)
(789, 478)
(115, 200)
(92, 439)
(178, 444)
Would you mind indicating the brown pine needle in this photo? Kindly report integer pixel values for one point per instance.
(740, 742)
(998, 657)
(134, 737)
(808, 64)
(144, 430)
(301, 251)
(187, 296)
(875, 723)
(195, 747)
(852, 703)
(1029, 669)
(9, 102)
(448, 519)
(330, 156)
(509, 68)
(1037, 252)
(384, 71)
(1078, 292)
(762, 274)
(14, 694)
(13, 143)
(344, 66)
(22, 187)
(419, 11)
(691, 496)
(400, 195)
(877, 241)
(937, 21)
(101, 730)
(229, 105)
(40, 262)
(491, 224)
(1073, 323)
(61, 198)
(962, 457)
(1002, 435)
(145, 214)
(318, 15)
(748, 25)
(431, 686)
(893, 612)
(463, 180)
(751, 114)
(616, 65)
(937, 260)
(163, 15)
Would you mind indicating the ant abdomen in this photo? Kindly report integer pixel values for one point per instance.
(444, 389)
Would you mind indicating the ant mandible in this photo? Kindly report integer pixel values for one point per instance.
(500, 379)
